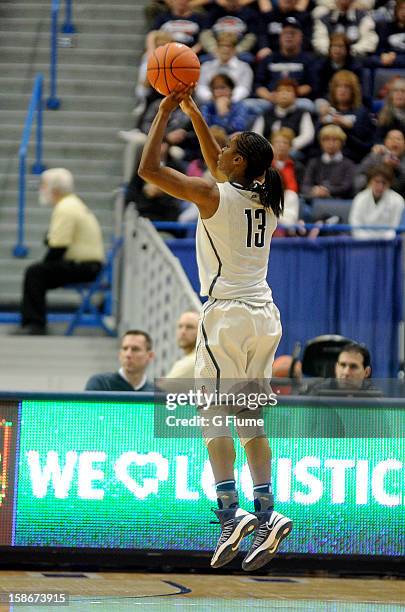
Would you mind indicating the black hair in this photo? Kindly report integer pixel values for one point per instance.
(138, 332)
(226, 79)
(354, 347)
(258, 153)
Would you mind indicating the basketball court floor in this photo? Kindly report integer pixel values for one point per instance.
(106, 592)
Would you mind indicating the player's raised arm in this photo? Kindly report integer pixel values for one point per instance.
(209, 146)
(203, 193)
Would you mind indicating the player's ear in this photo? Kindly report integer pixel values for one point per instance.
(367, 371)
(238, 159)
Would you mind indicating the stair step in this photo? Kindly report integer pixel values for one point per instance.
(70, 118)
(101, 57)
(70, 103)
(52, 133)
(95, 40)
(84, 26)
(69, 149)
(83, 70)
(83, 182)
(90, 10)
(36, 216)
(71, 87)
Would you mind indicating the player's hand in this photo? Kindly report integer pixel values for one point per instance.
(170, 102)
(187, 104)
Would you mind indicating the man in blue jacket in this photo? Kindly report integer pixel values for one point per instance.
(135, 355)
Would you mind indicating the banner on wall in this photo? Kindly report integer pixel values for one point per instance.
(94, 474)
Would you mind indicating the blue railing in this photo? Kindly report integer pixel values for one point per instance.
(53, 101)
(35, 108)
(189, 228)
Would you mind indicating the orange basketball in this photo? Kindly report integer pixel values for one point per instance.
(171, 64)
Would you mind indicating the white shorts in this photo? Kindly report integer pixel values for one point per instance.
(236, 342)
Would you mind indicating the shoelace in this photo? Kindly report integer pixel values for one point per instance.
(226, 531)
(261, 535)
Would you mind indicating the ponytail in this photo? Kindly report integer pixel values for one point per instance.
(272, 192)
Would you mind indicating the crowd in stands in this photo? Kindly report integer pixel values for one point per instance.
(304, 74)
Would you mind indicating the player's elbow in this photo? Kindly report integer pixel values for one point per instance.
(143, 172)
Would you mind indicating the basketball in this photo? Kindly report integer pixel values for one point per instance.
(171, 64)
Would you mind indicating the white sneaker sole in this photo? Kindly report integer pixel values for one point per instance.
(266, 551)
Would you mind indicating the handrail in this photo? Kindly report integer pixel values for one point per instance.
(68, 27)
(53, 101)
(36, 104)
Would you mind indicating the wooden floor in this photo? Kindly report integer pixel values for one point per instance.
(107, 592)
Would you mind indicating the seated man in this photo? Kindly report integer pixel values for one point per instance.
(352, 373)
(187, 327)
(135, 355)
(289, 62)
(225, 62)
(332, 174)
(286, 114)
(75, 253)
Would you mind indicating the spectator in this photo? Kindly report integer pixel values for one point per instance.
(143, 88)
(282, 145)
(391, 153)
(377, 205)
(331, 175)
(187, 327)
(181, 23)
(352, 372)
(346, 110)
(391, 48)
(339, 58)
(227, 63)
(288, 168)
(232, 116)
(289, 62)
(273, 23)
(179, 135)
(285, 113)
(232, 18)
(150, 201)
(75, 249)
(135, 355)
(357, 24)
(392, 114)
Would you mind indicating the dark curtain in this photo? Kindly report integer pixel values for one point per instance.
(331, 286)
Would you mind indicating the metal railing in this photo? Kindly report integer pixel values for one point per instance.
(53, 102)
(35, 108)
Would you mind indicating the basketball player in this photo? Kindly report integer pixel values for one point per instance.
(239, 328)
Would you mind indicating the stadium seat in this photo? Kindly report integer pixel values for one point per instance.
(323, 208)
(320, 354)
(88, 314)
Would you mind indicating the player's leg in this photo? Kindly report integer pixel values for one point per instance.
(273, 527)
(218, 359)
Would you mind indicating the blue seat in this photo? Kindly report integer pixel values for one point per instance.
(328, 207)
(88, 315)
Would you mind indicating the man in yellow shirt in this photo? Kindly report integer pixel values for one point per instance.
(75, 249)
(187, 327)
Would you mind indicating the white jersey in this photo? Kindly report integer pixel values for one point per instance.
(233, 247)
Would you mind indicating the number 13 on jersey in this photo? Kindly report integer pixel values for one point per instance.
(256, 227)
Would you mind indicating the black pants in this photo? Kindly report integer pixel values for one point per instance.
(44, 275)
